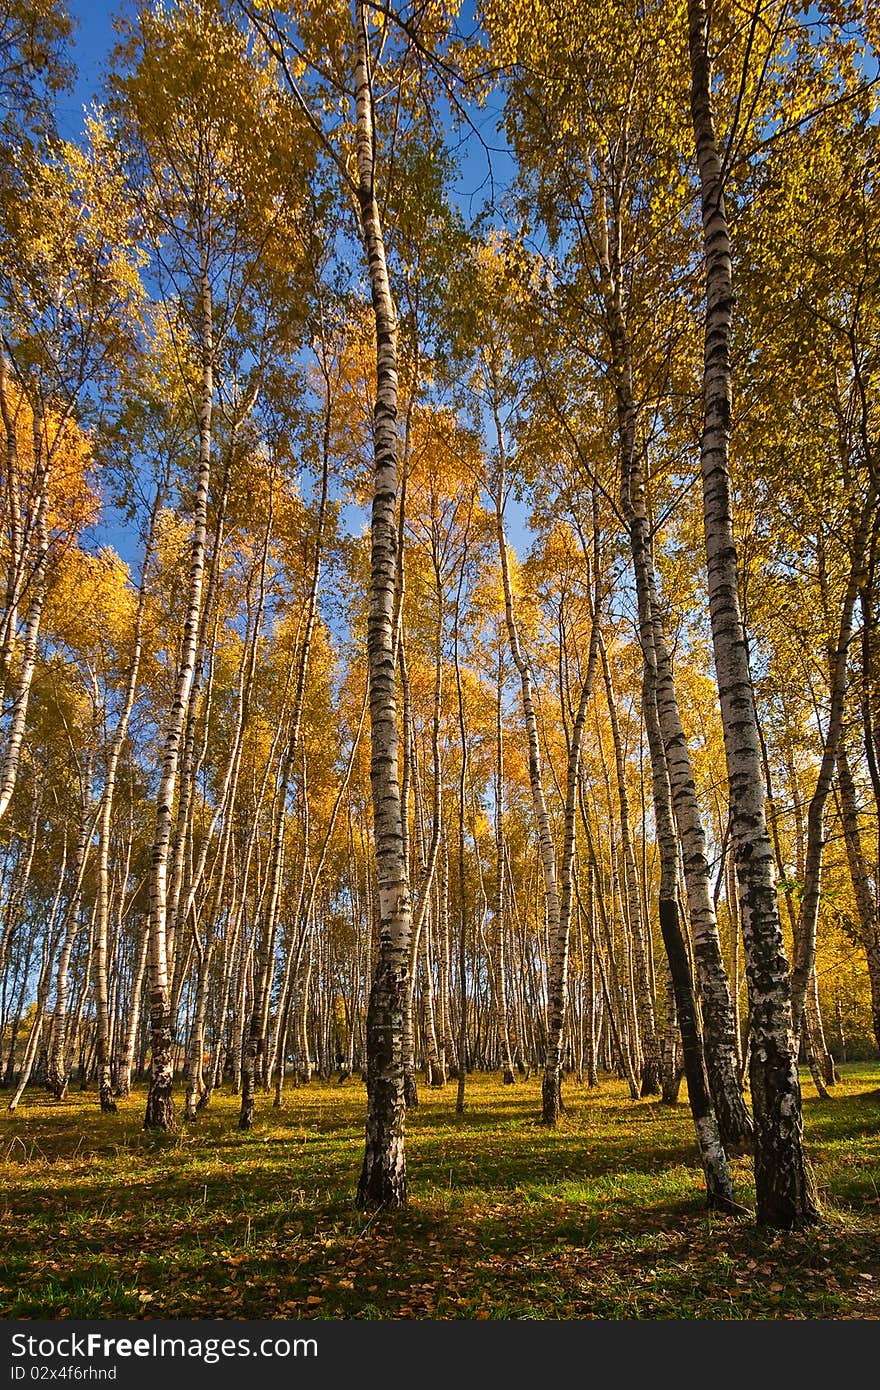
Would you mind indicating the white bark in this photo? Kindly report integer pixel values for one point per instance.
(160, 1107)
(784, 1190)
(383, 1176)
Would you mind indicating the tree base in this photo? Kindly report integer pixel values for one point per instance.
(57, 1086)
(551, 1100)
(381, 1186)
(160, 1110)
(650, 1081)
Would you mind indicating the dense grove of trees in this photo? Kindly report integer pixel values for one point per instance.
(485, 668)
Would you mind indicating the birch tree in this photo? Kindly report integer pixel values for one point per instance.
(784, 1191)
(195, 111)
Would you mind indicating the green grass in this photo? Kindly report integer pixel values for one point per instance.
(601, 1218)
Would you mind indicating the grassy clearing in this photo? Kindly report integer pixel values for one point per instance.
(602, 1218)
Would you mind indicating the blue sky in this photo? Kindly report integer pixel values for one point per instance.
(93, 39)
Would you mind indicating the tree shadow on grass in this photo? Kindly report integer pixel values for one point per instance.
(603, 1216)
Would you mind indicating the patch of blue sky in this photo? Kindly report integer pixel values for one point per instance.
(483, 172)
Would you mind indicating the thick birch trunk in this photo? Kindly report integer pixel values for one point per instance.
(383, 1176)
(784, 1191)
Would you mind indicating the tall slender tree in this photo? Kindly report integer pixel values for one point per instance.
(785, 1195)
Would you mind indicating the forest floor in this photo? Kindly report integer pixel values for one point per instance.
(601, 1218)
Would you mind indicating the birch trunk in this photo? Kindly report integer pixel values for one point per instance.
(254, 1058)
(805, 937)
(102, 906)
(428, 859)
(409, 785)
(644, 1000)
(444, 1026)
(866, 902)
(126, 1057)
(27, 572)
(159, 1113)
(383, 1175)
(557, 908)
(305, 912)
(719, 1184)
(50, 944)
(551, 1091)
(464, 765)
(717, 1006)
(195, 1050)
(607, 973)
(784, 1191)
(499, 971)
(58, 1071)
(16, 568)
